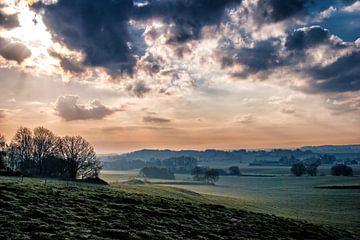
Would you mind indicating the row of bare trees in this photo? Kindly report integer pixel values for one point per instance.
(41, 153)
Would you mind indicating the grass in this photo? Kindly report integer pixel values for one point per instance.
(294, 197)
(284, 195)
(57, 210)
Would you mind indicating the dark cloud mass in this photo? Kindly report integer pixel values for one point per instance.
(262, 56)
(69, 109)
(341, 76)
(101, 30)
(68, 64)
(306, 38)
(278, 10)
(71, 66)
(98, 28)
(13, 50)
(139, 89)
(8, 21)
(188, 16)
(150, 64)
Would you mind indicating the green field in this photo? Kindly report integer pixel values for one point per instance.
(283, 195)
(63, 210)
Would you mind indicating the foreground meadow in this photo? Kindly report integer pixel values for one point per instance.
(283, 195)
(58, 210)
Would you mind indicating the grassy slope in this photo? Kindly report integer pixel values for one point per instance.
(294, 197)
(285, 195)
(32, 210)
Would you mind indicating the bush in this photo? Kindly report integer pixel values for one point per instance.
(298, 169)
(234, 170)
(312, 169)
(2, 160)
(199, 172)
(211, 175)
(341, 170)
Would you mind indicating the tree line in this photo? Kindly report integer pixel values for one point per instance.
(299, 168)
(42, 153)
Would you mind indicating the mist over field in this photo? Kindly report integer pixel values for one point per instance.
(179, 119)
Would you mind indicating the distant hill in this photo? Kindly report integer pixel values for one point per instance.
(141, 158)
(150, 155)
(333, 149)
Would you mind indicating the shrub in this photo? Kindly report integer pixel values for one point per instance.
(298, 169)
(234, 170)
(312, 169)
(341, 170)
(211, 175)
(198, 172)
(2, 160)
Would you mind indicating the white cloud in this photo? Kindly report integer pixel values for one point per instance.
(355, 7)
(326, 13)
(69, 109)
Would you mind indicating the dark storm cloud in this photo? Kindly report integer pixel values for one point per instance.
(341, 76)
(101, 30)
(264, 55)
(98, 28)
(151, 119)
(139, 89)
(278, 10)
(269, 11)
(8, 21)
(150, 64)
(306, 38)
(71, 66)
(13, 50)
(68, 64)
(188, 16)
(69, 109)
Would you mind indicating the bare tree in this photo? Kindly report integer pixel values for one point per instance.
(2, 142)
(45, 145)
(22, 146)
(211, 175)
(2, 152)
(79, 156)
(13, 160)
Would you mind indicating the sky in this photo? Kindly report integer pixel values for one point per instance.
(182, 74)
